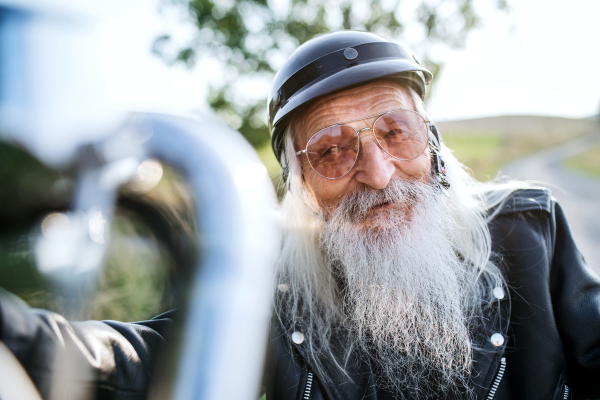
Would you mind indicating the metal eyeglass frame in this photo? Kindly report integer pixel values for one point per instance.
(427, 122)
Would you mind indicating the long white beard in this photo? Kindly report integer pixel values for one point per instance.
(408, 298)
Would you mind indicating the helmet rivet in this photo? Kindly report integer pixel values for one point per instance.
(276, 99)
(350, 53)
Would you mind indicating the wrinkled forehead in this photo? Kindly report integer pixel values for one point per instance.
(358, 102)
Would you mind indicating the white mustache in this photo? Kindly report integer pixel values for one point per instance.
(358, 204)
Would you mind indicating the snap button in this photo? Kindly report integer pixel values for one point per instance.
(497, 339)
(276, 100)
(350, 53)
(282, 287)
(297, 337)
(498, 293)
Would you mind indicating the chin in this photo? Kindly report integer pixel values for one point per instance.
(386, 222)
(389, 214)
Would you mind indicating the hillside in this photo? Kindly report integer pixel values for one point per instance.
(486, 144)
(518, 125)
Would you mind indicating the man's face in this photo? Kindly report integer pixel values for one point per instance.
(374, 167)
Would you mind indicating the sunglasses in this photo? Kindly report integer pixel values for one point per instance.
(333, 151)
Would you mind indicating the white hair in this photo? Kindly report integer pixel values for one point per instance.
(313, 302)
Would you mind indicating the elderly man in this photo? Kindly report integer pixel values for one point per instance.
(401, 277)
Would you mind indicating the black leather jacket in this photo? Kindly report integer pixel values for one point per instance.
(550, 322)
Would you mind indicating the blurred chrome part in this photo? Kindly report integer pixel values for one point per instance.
(236, 215)
(71, 248)
(52, 103)
(14, 381)
(239, 243)
(67, 246)
(148, 175)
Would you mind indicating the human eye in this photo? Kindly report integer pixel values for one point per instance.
(394, 134)
(333, 154)
(332, 150)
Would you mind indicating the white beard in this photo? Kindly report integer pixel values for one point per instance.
(408, 298)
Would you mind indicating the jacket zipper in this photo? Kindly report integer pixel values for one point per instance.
(499, 376)
(309, 380)
(566, 392)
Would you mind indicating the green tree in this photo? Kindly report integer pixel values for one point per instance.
(251, 38)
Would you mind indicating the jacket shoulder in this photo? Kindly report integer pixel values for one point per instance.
(525, 200)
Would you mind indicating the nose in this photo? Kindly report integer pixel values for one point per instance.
(374, 166)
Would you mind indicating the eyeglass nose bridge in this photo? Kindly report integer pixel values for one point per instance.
(372, 129)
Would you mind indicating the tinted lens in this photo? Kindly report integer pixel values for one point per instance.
(403, 134)
(332, 151)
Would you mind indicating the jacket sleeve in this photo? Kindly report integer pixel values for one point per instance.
(576, 303)
(120, 356)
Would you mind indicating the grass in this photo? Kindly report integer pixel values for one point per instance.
(135, 280)
(586, 163)
(486, 153)
(265, 152)
(133, 286)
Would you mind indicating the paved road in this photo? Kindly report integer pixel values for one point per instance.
(578, 195)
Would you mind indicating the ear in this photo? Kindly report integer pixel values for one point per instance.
(438, 164)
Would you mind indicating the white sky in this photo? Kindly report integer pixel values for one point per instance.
(541, 58)
(548, 65)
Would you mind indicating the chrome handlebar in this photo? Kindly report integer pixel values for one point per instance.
(225, 327)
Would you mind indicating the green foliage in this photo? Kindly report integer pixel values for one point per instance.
(253, 37)
(18, 273)
(27, 186)
(134, 285)
(139, 268)
(135, 282)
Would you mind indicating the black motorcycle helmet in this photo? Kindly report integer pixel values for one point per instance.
(332, 62)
